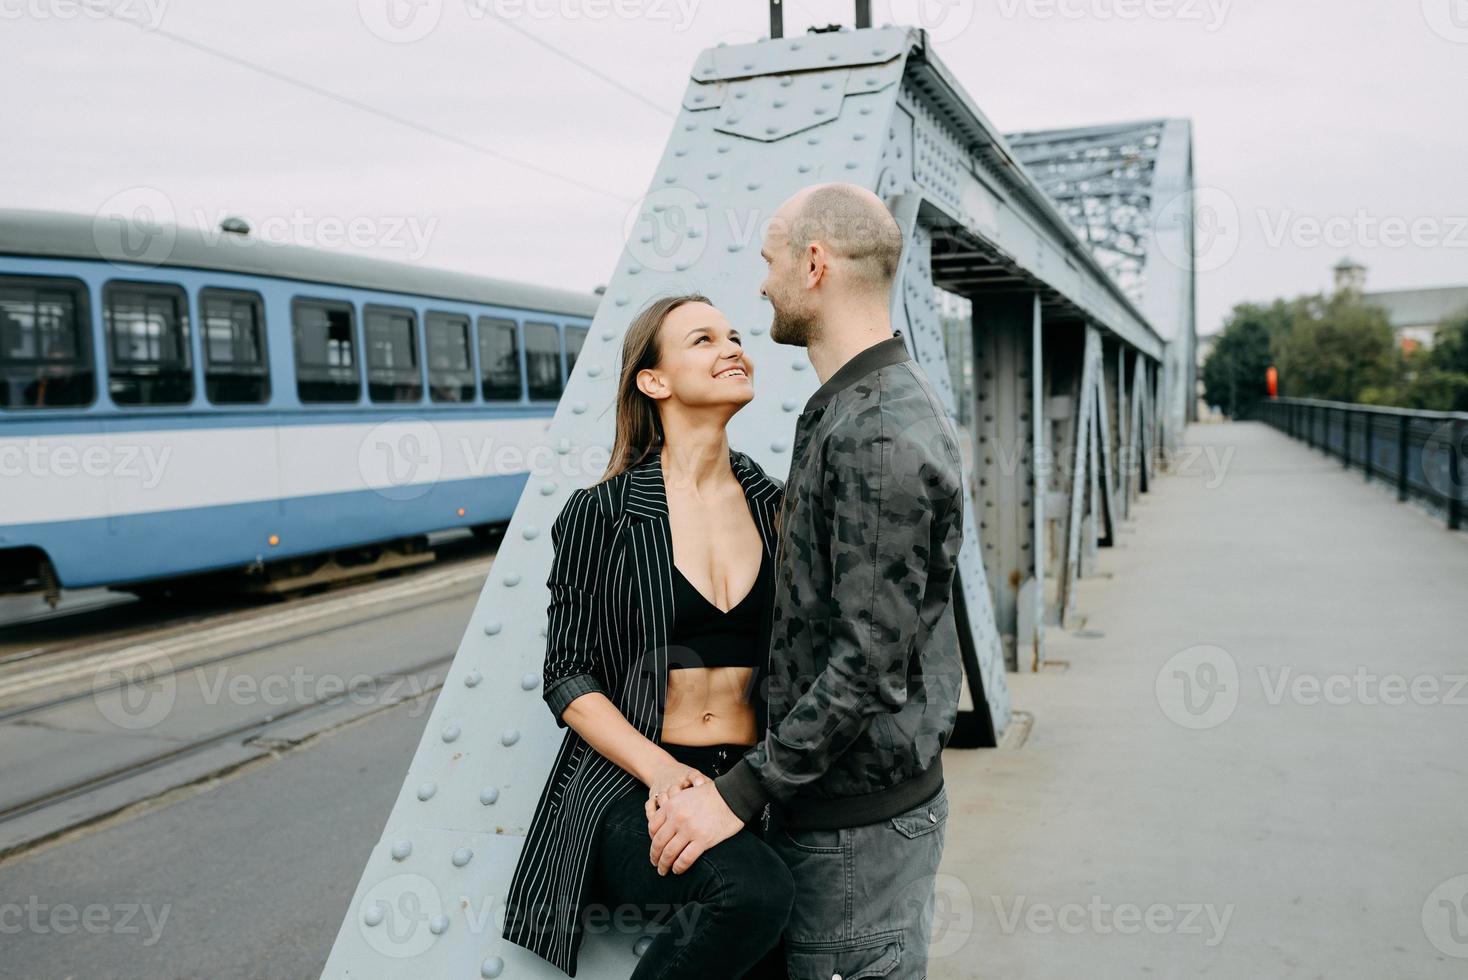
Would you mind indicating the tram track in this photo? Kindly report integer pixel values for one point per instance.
(26, 711)
(245, 732)
(161, 646)
(113, 725)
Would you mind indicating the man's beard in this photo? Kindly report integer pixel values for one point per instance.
(796, 329)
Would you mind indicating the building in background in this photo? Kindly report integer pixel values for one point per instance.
(1413, 313)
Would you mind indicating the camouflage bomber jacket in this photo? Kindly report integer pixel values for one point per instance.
(865, 669)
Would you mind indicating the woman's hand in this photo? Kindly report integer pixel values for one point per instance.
(667, 780)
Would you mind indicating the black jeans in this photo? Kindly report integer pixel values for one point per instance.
(725, 914)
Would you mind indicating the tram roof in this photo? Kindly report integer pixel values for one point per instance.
(59, 234)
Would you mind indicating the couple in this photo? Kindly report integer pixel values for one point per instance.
(759, 679)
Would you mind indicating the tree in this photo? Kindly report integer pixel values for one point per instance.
(1337, 348)
(1233, 374)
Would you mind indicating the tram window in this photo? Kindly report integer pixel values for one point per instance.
(147, 329)
(393, 374)
(450, 373)
(45, 344)
(575, 340)
(499, 360)
(235, 368)
(543, 359)
(326, 361)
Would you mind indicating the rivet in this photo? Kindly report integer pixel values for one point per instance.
(530, 533)
(779, 103)
(681, 152)
(693, 233)
(489, 795)
(731, 120)
(594, 370)
(740, 94)
(722, 149)
(670, 179)
(748, 66)
(866, 110)
(871, 81)
(691, 127)
(852, 164)
(509, 736)
(633, 270)
(827, 85)
(698, 98)
(804, 168)
(530, 682)
(785, 82)
(609, 335)
(439, 924)
(858, 136)
(682, 266)
(794, 45)
(831, 56)
(788, 404)
(491, 967)
(451, 733)
(734, 246)
(426, 791)
(620, 301)
(473, 678)
(819, 110)
(757, 330)
(579, 408)
(373, 914)
(878, 52)
(511, 580)
(462, 856)
(401, 849)
(812, 140)
(799, 365)
(771, 130)
(778, 446)
(493, 627)
(712, 175)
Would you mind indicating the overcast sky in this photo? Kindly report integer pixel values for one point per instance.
(1332, 127)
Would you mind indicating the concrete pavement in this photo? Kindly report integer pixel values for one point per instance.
(1258, 769)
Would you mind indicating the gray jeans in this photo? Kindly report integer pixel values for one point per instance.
(863, 895)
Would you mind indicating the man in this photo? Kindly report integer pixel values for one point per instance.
(865, 668)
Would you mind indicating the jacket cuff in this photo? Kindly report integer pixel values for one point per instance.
(741, 790)
(560, 694)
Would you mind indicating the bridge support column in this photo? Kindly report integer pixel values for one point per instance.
(1004, 353)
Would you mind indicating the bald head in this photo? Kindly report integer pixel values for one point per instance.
(855, 227)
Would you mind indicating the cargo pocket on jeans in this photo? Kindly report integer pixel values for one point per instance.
(923, 818)
(847, 959)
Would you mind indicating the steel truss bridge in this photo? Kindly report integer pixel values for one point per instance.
(1071, 253)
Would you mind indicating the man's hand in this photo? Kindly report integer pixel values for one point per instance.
(688, 824)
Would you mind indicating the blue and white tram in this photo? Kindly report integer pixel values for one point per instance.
(183, 402)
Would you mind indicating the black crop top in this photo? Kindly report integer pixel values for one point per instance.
(707, 636)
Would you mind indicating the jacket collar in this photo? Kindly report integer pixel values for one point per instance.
(648, 497)
(893, 350)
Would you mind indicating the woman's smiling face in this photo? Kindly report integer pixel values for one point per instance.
(701, 359)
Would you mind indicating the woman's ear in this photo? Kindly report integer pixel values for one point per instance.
(651, 384)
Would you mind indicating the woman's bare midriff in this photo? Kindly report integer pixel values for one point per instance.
(707, 706)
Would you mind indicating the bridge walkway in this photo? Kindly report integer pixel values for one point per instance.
(1249, 758)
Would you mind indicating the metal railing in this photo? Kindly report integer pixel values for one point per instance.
(1422, 453)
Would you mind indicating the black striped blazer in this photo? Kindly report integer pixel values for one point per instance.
(610, 614)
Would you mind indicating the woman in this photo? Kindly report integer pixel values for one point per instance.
(656, 656)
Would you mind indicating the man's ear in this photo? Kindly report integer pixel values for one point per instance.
(651, 384)
(815, 264)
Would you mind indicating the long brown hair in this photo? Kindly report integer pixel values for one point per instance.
(639, 426)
